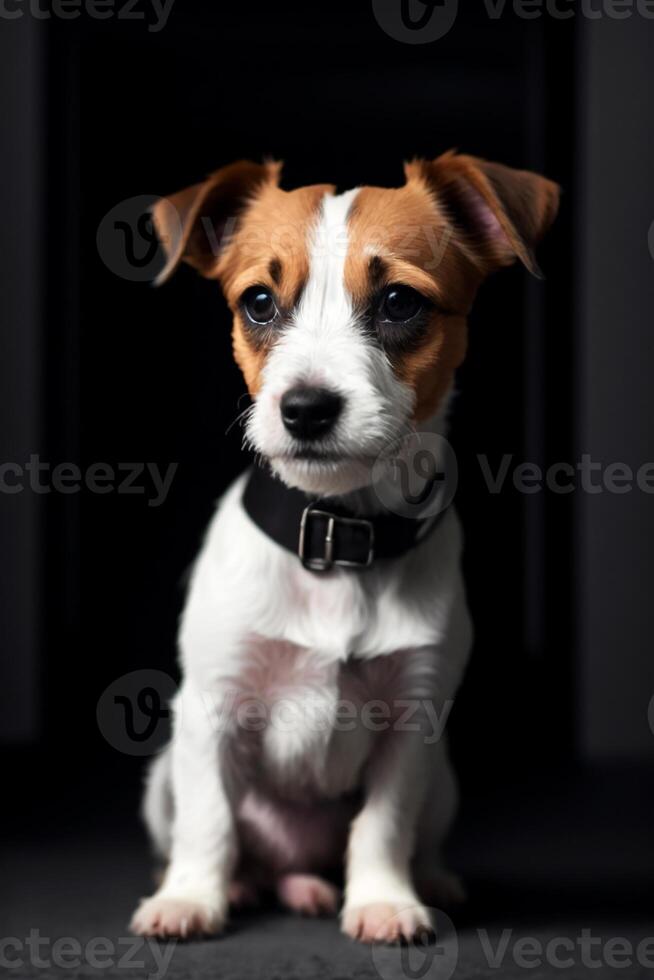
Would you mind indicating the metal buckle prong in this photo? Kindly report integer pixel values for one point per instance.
(329, 543)
(327, 561)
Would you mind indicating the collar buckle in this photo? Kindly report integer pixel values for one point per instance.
(326, 561)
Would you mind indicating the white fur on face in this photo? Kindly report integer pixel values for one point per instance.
(325, 346)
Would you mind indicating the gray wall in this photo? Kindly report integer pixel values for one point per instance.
(21, 289)
(615, 354)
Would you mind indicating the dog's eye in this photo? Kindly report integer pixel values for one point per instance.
(401, 303)
(259, 304)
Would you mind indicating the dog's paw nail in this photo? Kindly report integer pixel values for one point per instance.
(387, 922)
(175, 917)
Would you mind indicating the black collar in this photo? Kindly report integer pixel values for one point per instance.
(322, 532)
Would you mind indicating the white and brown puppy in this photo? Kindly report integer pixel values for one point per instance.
(349, 323)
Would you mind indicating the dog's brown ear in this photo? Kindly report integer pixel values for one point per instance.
(500, 213)
(195, 224)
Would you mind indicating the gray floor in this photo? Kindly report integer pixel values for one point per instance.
(555, 874)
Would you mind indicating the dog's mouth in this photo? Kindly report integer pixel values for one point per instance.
(325, 472)
(311, 455)
(322, 456)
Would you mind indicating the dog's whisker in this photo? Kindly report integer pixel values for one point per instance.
(240, 418)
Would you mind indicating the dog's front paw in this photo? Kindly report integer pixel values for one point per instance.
(387, 922)
(179, 917)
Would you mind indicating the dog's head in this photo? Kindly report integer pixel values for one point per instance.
(350, 309)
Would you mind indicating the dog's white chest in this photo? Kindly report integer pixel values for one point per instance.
(300, 715)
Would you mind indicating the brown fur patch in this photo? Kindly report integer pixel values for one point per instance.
(416, 246)
(430, 369)
(270, 248)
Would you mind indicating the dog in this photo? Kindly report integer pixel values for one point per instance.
(312, 592)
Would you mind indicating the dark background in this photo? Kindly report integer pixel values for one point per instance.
(98, 368)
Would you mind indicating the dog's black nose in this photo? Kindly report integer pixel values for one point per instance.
(310, 413)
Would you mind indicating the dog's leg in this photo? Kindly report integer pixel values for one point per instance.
(381, 903)
(193, 897)
(437, 887)
(157, 807)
